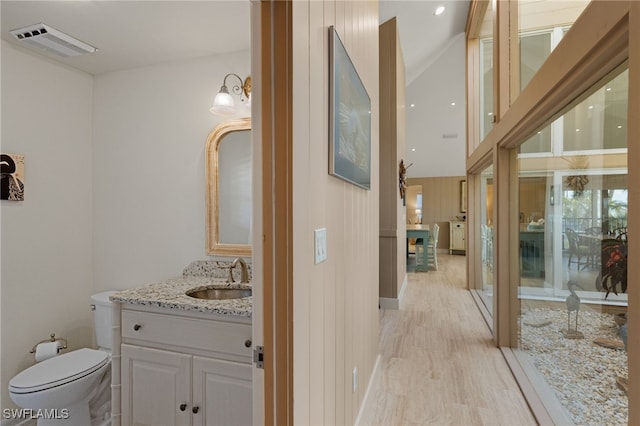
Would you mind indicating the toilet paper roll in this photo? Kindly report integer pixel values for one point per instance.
(46, 350)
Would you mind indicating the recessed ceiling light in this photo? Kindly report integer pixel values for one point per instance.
(453, 104)
(413, 149)
(412, 105)
(490, 113)
(439, 11)
(577, 130)
(619, 127)
(539, 132)
(590, 106)
(608, 89)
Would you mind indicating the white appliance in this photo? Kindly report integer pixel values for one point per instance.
(71, 388)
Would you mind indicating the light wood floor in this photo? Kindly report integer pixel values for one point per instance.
(438, 362)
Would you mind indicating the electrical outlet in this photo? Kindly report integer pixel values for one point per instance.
(320, 245)
(354, 379)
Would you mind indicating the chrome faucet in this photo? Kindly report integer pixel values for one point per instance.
(244, 272)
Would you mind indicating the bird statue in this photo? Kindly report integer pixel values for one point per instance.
(623, 334)
(573, 304)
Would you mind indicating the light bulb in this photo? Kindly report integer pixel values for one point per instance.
(223, 103)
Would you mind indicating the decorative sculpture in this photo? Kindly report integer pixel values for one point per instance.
(402, 175)
(577, 183)
(573, 304)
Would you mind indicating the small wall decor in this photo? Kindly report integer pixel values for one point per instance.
(577, 183)
(349, 118)
(402, 173)
(463, 196)
(12, 177)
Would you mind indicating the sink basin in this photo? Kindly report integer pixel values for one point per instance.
(219, 293)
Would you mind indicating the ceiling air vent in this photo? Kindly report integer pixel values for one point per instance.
(45, 37)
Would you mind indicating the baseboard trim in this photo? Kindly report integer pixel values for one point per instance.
(402, 288)
(391, 302)
(372, 378)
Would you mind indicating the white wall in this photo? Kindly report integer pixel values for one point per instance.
(46, 239)
(114, 188)
(150, 130)
(432, 93)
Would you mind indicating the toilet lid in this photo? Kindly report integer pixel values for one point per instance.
(58, 370)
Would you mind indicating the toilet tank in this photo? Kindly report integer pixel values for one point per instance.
(101, 306)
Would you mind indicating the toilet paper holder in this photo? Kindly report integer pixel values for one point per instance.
(52, 338)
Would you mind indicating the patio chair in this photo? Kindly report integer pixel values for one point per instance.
(620, 233)
(579, 250)
(594, 230)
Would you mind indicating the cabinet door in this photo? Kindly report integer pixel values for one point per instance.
(457, 235)
(458, 239)
(222, 392)
(155, 384)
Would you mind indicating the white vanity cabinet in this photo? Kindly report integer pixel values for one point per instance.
(155, 384)
(184, 369)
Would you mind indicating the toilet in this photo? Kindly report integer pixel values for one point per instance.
(73, 388)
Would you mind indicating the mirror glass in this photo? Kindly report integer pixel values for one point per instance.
(228, 173)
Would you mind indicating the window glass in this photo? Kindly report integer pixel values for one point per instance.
(486, 73)
(486, 237)
(534, 50)
(573, 261)
(541, 25)
(600, 122)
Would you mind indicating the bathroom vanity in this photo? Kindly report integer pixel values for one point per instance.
(181, 360)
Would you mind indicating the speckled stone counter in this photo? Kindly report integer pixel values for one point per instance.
(170, 294)
(213, 269)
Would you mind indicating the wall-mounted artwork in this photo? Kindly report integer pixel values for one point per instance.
(349, 117)
(12, 177)
(463, 196)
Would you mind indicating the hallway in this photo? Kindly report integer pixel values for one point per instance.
(438, 363)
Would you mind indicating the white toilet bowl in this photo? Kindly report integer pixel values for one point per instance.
(71, 388)
(59, 389)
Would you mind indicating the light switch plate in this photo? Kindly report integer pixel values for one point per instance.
(320, 244)
(354, 379)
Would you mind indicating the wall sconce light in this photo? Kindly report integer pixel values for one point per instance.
(223, 103)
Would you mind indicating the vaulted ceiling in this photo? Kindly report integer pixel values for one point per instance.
(130, 34)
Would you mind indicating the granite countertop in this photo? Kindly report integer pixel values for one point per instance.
(170, 294)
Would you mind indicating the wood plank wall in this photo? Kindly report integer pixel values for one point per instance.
(335, 316)
(440, 203)
(392, 263)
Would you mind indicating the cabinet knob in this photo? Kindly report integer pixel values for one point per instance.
(195, 409)
(183, 407)
(137, 327)
(248, 343)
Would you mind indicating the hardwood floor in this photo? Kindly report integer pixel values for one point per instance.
(438, 363)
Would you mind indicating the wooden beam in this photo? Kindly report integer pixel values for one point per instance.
(277, 145)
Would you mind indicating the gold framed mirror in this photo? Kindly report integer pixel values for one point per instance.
(228, 189)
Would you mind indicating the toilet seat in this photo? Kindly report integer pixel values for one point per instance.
(58, 371)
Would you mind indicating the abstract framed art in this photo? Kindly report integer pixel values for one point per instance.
(463, 196)
(349, 118)
(12, 177)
